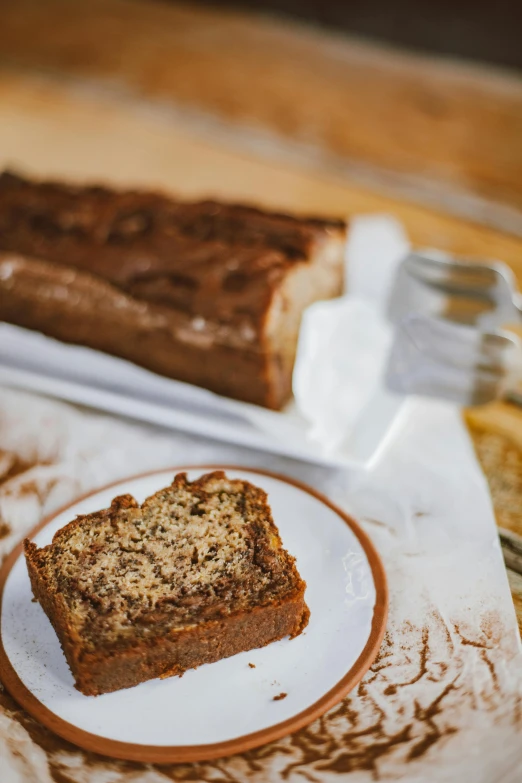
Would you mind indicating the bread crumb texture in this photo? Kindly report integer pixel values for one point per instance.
(193, 552)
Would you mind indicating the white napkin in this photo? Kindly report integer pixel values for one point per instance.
(376, 246)
(343, 344)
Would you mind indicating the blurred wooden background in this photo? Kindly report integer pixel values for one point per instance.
(437, 132)
(474, 29)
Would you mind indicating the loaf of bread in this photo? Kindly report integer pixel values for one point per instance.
(195, 574)
(207, 293)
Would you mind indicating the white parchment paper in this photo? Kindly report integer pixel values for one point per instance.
(342, 352)
(442, 702)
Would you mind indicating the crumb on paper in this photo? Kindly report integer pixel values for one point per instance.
(5, 530)
(252, 665)
(280, 696)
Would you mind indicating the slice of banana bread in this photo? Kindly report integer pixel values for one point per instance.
(195, 574)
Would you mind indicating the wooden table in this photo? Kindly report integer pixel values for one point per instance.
(206, 102)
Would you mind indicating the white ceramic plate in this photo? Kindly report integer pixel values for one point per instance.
(29, 360)
(223, 707)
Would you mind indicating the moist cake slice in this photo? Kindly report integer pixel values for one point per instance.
(195, 574)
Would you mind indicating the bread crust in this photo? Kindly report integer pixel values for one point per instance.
(104, 669)
(207, 293)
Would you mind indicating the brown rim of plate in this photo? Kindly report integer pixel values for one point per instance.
(160, 754)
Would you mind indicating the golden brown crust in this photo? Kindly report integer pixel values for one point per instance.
(188, 290)
(113, 664)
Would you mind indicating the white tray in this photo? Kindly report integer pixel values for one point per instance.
(31, 361)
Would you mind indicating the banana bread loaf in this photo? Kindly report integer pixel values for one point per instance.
(195, 574)
(207, 293)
